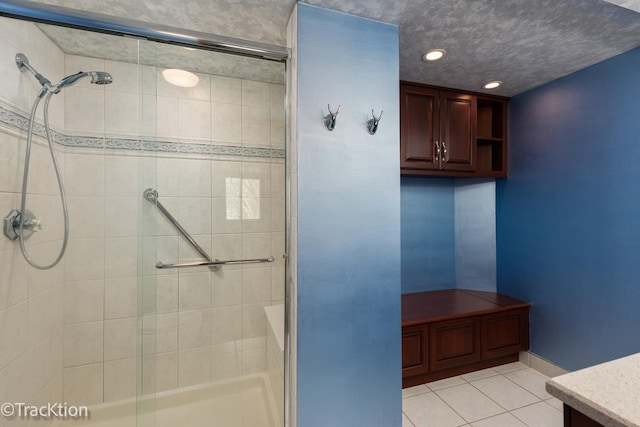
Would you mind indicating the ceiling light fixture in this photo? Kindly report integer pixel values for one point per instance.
(180, 78)
(492, 84)
(434, 55)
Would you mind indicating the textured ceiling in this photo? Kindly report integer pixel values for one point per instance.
(524, 43)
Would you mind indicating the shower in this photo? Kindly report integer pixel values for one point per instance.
(21, 224)
(129, 322)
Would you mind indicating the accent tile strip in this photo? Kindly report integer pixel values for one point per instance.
(18, 121)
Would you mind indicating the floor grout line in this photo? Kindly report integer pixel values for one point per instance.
(407, 417)
(505, 410)
(518, 385)
(489, 397)
(450, 407)
(460, 415)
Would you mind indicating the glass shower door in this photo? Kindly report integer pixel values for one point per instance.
(212, 336)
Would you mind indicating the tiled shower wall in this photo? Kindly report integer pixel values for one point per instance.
(208, 326)
(31, 300)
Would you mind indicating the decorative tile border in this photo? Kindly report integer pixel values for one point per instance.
(20, 122)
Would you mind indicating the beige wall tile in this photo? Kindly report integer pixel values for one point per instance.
(84, 259)
(226, 90)
(14, 332)
(83, 301)
(119, 379)
(194, 291)
(120, 297)
(83, 343)
(83, 385)
(194, 329)
(120, 338)
(194, 366)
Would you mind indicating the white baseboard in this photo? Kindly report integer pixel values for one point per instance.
(541, 365)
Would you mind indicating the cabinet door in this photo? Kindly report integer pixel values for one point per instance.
(574, 418)
(458, 122)
(454, 342)
(505, 333)
(418, 127)
(415, 350)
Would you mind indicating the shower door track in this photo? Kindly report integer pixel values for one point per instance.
(66, 17)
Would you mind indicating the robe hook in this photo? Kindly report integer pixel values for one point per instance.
(330, 119)
(372, 125)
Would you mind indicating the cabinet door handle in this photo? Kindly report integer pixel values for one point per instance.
(437, 151)
(444, 152)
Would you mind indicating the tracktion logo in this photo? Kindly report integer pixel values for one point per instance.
(46, 412)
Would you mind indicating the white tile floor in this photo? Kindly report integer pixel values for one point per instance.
(510, 395)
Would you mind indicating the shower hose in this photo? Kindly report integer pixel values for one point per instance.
(47, 97)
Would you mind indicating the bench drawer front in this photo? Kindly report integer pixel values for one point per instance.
(415, 350)
(505, 333)
(454, 342)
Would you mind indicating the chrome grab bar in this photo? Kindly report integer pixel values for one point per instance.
(151, 194)
(214, 263)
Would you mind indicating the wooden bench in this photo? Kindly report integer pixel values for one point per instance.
(453, 332)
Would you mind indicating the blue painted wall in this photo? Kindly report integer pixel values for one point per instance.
(348, 219)
(569, 214)
(448, 234)
(428, 234)
(475, 234)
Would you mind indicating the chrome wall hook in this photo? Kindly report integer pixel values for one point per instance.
(330, 119)
(372, 125)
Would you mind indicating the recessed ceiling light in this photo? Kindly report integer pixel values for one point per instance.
(492, 84)
(180, 78)
(434, 55)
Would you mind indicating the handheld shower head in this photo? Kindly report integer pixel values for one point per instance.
(100, 78)
(97, 77)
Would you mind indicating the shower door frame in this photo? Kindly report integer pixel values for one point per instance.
(89, 21)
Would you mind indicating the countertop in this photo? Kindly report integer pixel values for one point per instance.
(607, 393)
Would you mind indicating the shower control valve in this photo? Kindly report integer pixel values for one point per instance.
(12, 224)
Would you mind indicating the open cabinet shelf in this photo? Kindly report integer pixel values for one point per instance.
(491, 140)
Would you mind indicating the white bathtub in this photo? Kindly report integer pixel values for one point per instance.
(255, 400)
(245, 402)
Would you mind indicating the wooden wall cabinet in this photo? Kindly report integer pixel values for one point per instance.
(445, 132)
(452, 332)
